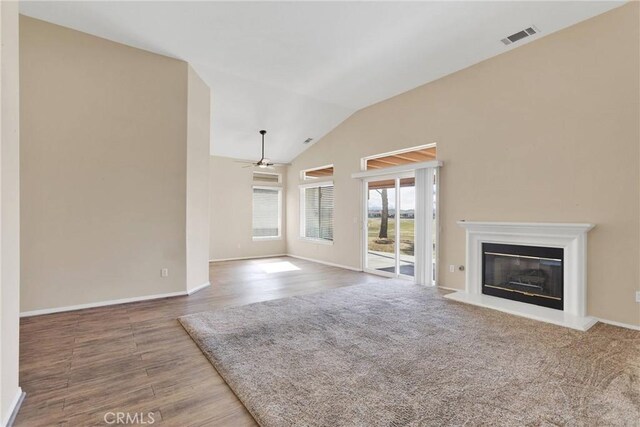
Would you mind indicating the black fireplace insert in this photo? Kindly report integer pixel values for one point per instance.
(530, 274)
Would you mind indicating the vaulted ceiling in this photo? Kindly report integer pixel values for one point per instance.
(298, 69)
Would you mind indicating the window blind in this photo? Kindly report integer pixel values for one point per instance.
(266, 212)
(318, 212)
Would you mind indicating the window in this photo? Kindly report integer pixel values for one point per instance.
(267, 213)
(266, 178)
(424, 153)
(317, 173)
(316, 216)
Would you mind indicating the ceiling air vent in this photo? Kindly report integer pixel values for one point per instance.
(520, 35)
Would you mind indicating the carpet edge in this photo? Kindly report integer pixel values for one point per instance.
(220, 372)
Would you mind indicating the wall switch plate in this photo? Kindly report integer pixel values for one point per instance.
(452, 268)
(164, 272)
(637, 296)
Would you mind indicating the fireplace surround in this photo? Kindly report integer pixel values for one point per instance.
(528, 287)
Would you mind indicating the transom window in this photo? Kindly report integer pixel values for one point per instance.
(317, 173)
(419, 154)
(266, 178)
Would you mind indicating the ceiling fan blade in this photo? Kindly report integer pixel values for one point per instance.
(251, 165)
(245, 161)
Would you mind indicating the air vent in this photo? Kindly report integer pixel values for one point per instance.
(520, 35)
(308, 140)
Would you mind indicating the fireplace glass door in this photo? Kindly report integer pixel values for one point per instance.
(523, 273)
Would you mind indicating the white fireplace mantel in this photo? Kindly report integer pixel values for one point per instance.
(569, 236)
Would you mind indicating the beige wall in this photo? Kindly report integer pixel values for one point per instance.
(231, 213)
(10, 210)
(104, 159)
(198, 146)
(545, 132)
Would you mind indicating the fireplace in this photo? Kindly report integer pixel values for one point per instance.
(536, 270)
(531, 274)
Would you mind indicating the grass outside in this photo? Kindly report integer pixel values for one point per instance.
(386, 245)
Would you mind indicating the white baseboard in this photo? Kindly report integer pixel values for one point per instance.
(100, 304)
(247, 257)
(331, 264)
(198, 288)
(446, 288)
(14, 408)
(620, 324)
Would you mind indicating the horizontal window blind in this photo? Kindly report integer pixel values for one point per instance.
(312, 213)
(318, 213)
(266, 212)
(326, 213)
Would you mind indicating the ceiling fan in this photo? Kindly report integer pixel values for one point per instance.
(263, 162)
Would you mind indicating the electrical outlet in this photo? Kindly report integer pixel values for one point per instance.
(164, 272)
(637, 296)
(452, 268)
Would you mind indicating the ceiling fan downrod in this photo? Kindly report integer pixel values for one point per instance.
(262, 132)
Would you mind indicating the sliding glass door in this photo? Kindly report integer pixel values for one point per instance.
(381, 230)
(389, 226)
(406, 218)
(400, 225)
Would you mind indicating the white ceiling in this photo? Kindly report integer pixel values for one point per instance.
(298, 69)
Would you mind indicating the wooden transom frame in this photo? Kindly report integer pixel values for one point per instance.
(319, 173)
(415, 156)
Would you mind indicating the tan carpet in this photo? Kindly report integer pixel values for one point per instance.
(401, 355)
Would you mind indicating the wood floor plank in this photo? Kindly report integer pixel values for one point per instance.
(136, 358)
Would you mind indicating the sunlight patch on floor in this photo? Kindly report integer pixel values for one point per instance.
(278, 267)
